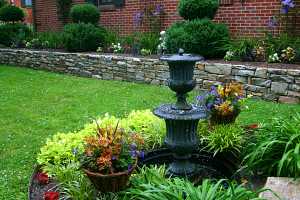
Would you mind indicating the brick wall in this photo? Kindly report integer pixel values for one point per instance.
(244, 19)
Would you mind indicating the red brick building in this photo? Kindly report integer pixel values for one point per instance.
(244, 17)
(27, 7)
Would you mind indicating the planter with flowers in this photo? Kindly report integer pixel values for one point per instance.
(110, 157)
(224, 103)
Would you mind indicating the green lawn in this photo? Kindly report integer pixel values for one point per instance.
(35, 105)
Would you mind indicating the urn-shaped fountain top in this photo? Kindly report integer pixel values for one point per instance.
(181, 57)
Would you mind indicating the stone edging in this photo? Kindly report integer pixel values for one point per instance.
(274, 84)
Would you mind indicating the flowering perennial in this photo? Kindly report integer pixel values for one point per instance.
(223, 100)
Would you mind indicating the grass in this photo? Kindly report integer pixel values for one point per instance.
(35, 105)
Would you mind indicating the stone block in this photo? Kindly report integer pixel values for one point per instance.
(288, 100)
(293, 72)
(224, 69)
(293, 94)
(279, 88)
(254, 88)
(241, 79)
(285, 188)
(294, 87)
(261, 73)
(282, 78)
(207, 84)
(277, 71)
(245, 73)
(261, 82)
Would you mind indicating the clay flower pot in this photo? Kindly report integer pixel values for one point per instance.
(220, 119)
(110, 182)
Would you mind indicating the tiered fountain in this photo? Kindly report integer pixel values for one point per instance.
(182, 155)
(181, 118)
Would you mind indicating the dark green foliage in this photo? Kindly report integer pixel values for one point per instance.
(11, 13)
(275, 150)
(83, 37)
(54, 40)
(3, 3)
(198, 9)
(151, 184)
(85, 13)
(63, 8)
(202, 37)
(242, 49)
(13, 34)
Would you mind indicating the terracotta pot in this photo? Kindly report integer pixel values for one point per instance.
(220, 119)
(110, 182)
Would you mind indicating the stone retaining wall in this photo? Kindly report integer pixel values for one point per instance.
(274, 84)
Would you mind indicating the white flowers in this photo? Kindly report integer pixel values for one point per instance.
(274, 58)
(117, 48)
(229, 56)
(162, 47)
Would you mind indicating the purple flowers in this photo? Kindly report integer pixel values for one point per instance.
(287, 5)
(272, 22)
(138, 18)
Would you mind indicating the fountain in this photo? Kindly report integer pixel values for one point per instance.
(181, 118)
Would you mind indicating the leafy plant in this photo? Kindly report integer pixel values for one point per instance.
(112, 150)
(242, 49)
(85, 13)
(151, 184)
(202, 37)
(63, 8)
(14, 34)
(83, 37)
(73, 183)
(54, 40)
(198, 9)
(148, 125)
(224, 138)
(10, 13)
(3, 3)
(224, 102)
(274, 151)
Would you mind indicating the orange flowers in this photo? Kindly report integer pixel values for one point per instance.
(111, 149)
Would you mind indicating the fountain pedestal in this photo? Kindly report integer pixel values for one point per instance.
(181, 118)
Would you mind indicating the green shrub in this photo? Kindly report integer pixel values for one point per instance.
(223, 138)
(149, 41)
(11, 13)
(85, 13)
(13, 34)
(275, 150)
(198, 9)
(202, 37)
(83, 37)
(52, 40)
(148, 125)
(3, 3)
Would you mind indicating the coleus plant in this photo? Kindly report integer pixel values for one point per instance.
(112, 150)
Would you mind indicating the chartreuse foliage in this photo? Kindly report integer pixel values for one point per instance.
(63, 148)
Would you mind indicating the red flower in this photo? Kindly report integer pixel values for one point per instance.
(252, 126)
(42, 178)
(51, 195)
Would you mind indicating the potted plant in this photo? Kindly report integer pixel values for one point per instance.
(110, 157)
(223, 103)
